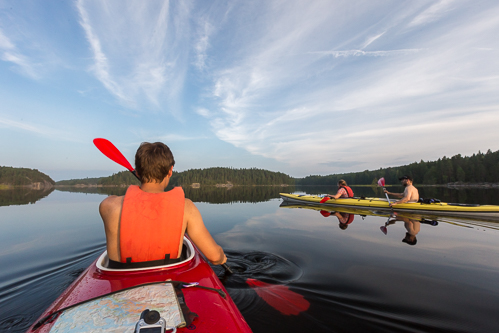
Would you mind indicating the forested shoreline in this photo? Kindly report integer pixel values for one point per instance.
(481, 169)
(11, 176)
(457, 170)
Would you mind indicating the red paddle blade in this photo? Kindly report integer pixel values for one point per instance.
(280, 297)
(324, 199)
(381, 182)
(325, 213)
(108, 149)
(384, 229)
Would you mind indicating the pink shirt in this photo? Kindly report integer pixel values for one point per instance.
(343, 192)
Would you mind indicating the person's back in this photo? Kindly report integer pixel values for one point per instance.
(148, 224)
(411, 193)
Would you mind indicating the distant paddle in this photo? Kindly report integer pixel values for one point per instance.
(280, 297)
(381, 182)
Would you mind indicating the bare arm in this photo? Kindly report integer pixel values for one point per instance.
(110, 210)
(201, 236)
(338, 194)
(398, 195)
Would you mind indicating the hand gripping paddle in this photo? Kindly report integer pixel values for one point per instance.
(381, 182)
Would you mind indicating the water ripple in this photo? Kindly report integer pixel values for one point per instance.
(266, 267)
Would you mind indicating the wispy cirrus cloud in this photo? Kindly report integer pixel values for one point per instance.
(140, 50)
(361, 53)
(434, 11)
(39, 129)
(300, 86)
(10, 53)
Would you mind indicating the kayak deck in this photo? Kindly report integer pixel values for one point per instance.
(215, 313)
(488, 211)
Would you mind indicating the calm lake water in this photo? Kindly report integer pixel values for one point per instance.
(361, 278)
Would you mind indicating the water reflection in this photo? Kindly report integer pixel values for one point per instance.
(411, 221)
(254, 194)
(22, 196)
(208, 194)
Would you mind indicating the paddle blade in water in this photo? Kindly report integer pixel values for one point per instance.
(280, 297)
(381, 182)
(108, 149)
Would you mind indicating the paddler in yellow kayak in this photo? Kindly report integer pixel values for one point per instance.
(146, 226)
(410, 194)
(344, 191)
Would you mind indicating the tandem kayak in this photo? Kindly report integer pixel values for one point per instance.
(182, 297)
(440, 208)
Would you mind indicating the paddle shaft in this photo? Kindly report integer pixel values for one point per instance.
(227, 269)
(386, 194)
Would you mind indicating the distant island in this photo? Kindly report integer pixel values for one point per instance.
(24, 177)
(481, 169)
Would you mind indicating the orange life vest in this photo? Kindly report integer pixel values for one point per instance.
(349, 191)
(151, 225)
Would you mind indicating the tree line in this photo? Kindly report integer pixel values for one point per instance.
(477, 168)
(219, 175)
(480, 167)
(22, 176)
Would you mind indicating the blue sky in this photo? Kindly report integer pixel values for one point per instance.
(301, 87)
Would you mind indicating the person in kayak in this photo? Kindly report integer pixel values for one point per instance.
(410, 194)
(147, 224)
(344, 191)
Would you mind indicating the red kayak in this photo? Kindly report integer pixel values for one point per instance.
(182, 297)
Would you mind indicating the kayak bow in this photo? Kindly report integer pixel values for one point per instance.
(111, 300)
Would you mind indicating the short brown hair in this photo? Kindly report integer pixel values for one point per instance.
(153, 161)
(341, 182)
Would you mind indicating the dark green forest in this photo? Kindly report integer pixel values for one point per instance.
(477, 168)
(210, 176)
(22, 176)
(83, 181)
(213, 176)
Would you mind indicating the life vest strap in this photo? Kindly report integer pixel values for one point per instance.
(161, 262)
(141, 264)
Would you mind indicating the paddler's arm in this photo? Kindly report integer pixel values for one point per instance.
(401, 201)
(338, 194)
(201, 236)
(398, 195)
(110, 210)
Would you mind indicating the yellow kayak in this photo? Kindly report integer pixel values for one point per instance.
(440, 208)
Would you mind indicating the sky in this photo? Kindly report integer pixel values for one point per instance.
(301, 87)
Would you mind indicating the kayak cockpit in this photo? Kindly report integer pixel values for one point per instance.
(187, 255)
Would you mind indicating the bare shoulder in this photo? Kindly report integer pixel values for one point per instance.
(189, 205)
(110, 204)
